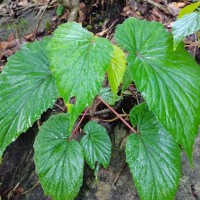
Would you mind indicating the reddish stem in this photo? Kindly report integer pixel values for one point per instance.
(82, 118)
(127, 124)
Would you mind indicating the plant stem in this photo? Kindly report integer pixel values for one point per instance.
(128, 125)
(83, 116)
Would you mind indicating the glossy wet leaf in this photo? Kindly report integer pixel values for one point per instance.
(153, 157)
(59, 162)
(185, 26)
(79, 62)
(96, 145)
(168, 80)
(117, 69)
(188, 9)
(27, 89)
(106, 95)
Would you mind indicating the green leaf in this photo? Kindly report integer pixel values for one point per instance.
(116, 69)
(106, 95)
(60, 10)
(168, 80)
(188, 9)
(79, 62)
(59, 162)
(185, 26)
(153, 157)
(27, 89)
(96, 145)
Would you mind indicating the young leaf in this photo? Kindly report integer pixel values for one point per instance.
(27, 89)
(188, 9)
(169, 83)
(116, 69)
(153, 157)
(96, 145)
(59, 162)
(106, 95)
(79, 62)
(185, 26)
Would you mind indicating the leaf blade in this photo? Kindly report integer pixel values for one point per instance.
(79, 55)
(169, 84)
(187, 25)
(27, 90)
(116, 69)
(153, 157)
(96, 145)
(59, 163)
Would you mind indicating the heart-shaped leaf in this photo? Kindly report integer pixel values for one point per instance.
(96, 145)
(168, 80)
(27, 89)
(59, 162)
(79, 62)
(153, 157)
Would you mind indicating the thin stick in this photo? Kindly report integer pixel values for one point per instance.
(159, 6)
(118, 175)
(76, 129)
(40, 19)
(131, 128)
(26, 192)
(114, 119)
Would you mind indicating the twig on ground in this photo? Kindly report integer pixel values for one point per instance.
(40, 19)
(127, 124)
(114, 119)
(105, 111)
(14, 24)
(118, 175)
(159, 6)
(26, 192)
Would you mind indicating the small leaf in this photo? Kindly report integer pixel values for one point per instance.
(185, 26)
(60, 10)
(106, 95)
(116, 69)
(59, 162)
(168, 80)
(188, 9)
(96, 145)
(79, 62)
(27, 89)
(153, 157)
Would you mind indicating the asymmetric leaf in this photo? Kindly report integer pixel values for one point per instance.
(185, 26)
(96, 145)
(59, 162)
(116, 69)
(79, 62)
(169, 83)
(153, 157)
(27, 89)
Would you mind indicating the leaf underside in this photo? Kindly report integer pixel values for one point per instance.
(79, 62)
(27, 89)
(185, 26)
(59, 162)
(96, 145)
(153, 157)
(169, 84)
